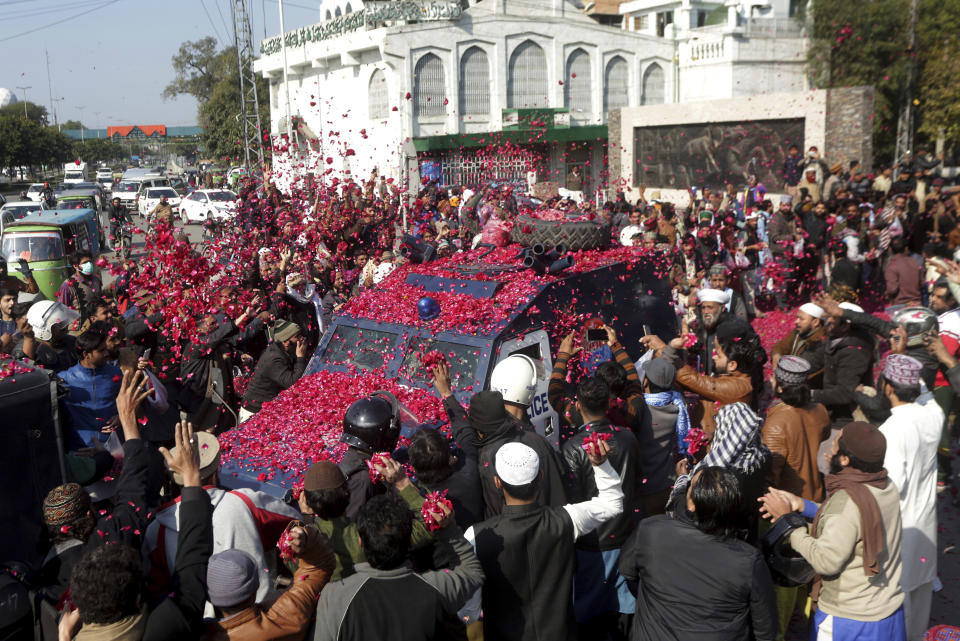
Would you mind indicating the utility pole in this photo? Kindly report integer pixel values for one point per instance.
(286, 81)
(249, 103)
(49, 81)
(80, 109)
(905, 121)
(24, 90)
(56, 120)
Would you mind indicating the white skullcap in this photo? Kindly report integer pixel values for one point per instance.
(713, 296)
(851, 307)
(813, 310)
(517, 464)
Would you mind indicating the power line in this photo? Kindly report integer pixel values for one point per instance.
(226, 29)
(61, 21)
(25, 12)
(212, 25)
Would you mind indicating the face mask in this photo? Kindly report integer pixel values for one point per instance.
(86, 269)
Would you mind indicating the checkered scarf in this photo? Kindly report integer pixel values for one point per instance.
(736, 442)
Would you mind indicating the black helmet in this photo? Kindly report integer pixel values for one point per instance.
(372, 424)
(787, 568)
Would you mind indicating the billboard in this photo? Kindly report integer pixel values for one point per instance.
(714, 154)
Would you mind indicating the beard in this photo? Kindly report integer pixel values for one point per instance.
(710, 321)
(835, 466)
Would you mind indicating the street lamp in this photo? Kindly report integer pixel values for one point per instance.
(24, 90)
(80, 109)
(55, 108)
(97, 114)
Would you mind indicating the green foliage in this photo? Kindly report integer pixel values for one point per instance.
(212, 78)
(938, 26)
(72, 124)
(868, 43)
(26, 143)
(95, 150)
(198, 67)
(35, 113)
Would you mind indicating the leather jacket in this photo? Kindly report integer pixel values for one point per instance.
(715, 392)
(793, 435)
(580, 484)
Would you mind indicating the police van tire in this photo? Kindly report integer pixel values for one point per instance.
(576, 236)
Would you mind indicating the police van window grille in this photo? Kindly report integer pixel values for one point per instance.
(527, 79)
(429, 87)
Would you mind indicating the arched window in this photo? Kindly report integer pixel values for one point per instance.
(577, 95)
(474, 82)
(429, 87)
(328, 15)
(377, 101)
(615, 85)
(348, 9)
(527, 78)
(653, 92)
(336, 12)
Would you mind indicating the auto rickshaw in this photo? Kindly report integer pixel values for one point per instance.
(49, 241)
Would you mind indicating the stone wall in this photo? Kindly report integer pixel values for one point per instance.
(849, 130)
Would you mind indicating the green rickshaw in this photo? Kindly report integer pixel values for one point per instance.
(49, 241)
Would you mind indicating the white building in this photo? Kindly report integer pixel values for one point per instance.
(440, 87)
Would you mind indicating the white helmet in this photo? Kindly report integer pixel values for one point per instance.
(515, 377)
(627, 234)
(43, 315)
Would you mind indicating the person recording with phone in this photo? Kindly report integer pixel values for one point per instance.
(281, 365)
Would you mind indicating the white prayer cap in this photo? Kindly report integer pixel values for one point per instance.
(517, 464)
(813, 310)
(713, 296)
(851, 307)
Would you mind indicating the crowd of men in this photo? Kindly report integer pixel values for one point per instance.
(664, 512)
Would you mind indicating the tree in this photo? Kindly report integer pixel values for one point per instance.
(26, 143)
(198, 67)
(72, 125)
(938, 97)
(868, 43)
(35, 113)
(97, 150)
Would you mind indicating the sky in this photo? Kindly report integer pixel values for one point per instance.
(112, 57)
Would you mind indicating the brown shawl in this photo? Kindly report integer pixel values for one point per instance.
(854, 482)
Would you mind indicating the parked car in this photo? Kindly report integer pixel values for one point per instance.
(149, 199)
(204, 204)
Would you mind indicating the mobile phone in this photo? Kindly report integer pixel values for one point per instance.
(146, 353)
(646, 329)
(596, 334)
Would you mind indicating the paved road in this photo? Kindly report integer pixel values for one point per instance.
(194, 233)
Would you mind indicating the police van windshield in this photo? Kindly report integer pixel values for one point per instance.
(363, 348)
(462, 360)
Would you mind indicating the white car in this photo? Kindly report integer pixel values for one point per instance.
(104, 174)
(151, 197)
(202, 204)
(34, 191)
(16, 210)
(126, 191)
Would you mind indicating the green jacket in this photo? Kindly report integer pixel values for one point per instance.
(344, 538)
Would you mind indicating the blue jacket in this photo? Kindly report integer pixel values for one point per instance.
(92, 401)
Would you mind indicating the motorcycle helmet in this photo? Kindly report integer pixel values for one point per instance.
(917, 322)
(515, 377)
(43, 315)
(627, 234)
(428, 308)
(787, 568)
(372, 424)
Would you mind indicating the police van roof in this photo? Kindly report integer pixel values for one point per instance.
(479, 291)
